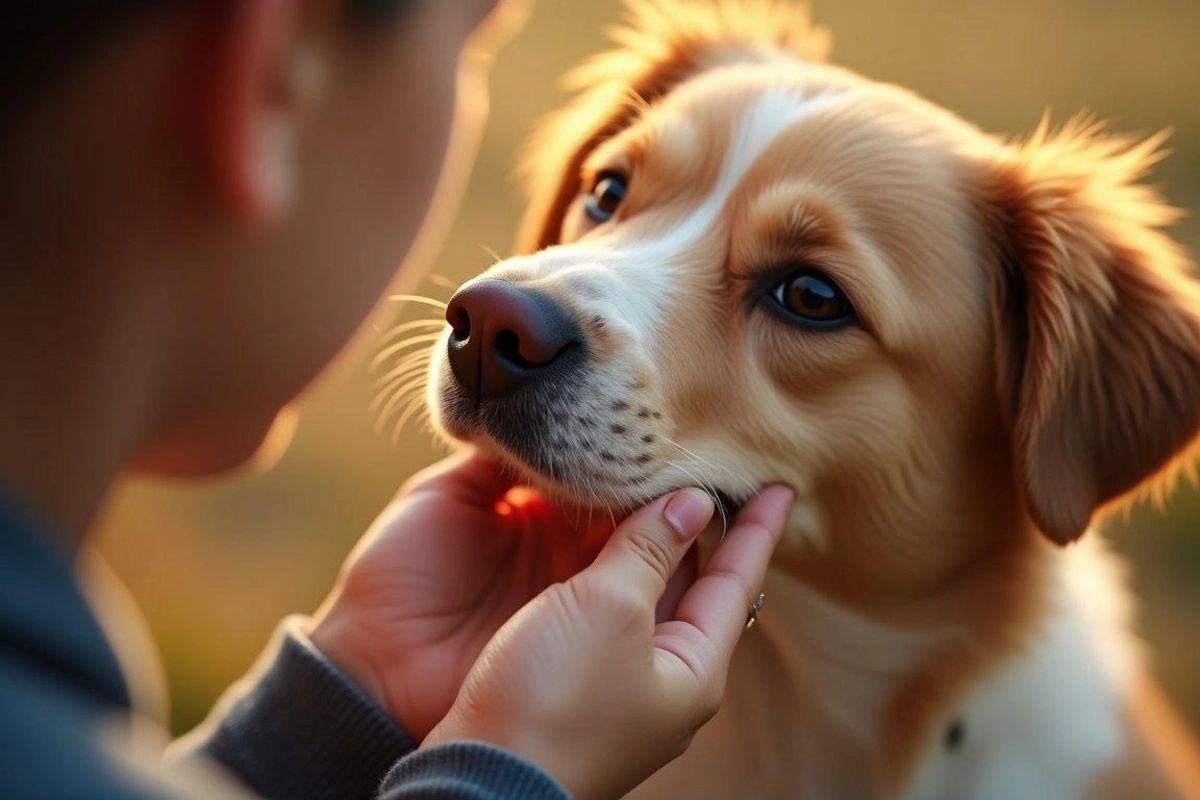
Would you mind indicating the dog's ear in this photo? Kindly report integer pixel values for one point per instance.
(1097, 323)
(662, 43)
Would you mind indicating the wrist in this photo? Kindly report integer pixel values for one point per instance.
(528, 742)
(335, 639)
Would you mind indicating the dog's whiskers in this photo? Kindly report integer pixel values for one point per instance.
(496, 257)
(709, 488)
(416, 324)
(418, 347)
(403, 333)
(418, 298)
(416, 406)
(736, 476)
(402, 375)
(443, 282)
(424, 341)
(415, 387)
(405, 355)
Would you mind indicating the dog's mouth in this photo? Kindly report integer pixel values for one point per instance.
(587, 452)
(726, 505)
(584, 490)
(586, 494)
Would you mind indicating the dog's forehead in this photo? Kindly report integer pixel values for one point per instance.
(695, 150)
(720, 143)
(726, 136)
(736, 114)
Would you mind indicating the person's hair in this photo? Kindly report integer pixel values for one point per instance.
(41, 41)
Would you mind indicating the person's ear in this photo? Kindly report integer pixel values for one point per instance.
(1097, 324)
(266, 77)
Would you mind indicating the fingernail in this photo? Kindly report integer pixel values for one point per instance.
(688, 511)
(786, 494)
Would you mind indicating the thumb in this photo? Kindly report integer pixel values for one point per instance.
(646, 548)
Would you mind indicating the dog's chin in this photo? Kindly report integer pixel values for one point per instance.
(575, 459)
(578, 486)
(579, 492)
(562, 478)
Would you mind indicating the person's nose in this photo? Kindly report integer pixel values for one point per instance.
(505, 335)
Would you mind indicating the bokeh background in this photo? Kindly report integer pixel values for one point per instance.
(214, 567)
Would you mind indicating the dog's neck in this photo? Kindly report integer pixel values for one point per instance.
(886, 667)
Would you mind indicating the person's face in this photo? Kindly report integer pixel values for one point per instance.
(286, 293)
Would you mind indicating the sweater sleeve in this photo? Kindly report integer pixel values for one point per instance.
(468, 771)
(295, 727)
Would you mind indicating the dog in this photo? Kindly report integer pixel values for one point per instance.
(742, 265)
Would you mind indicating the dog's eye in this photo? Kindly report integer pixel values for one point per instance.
(810, 298)
(606, 196)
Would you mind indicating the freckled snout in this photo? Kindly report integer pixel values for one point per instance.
(505, 335)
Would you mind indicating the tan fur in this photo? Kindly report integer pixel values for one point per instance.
(663, 42)
(1026, 349)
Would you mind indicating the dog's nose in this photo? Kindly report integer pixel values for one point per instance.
(505, 335)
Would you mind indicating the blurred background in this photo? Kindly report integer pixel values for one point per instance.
(214, 567)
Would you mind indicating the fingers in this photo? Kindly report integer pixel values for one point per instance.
(645, 549)
(685, 575)
(465, 476)
(717, 604)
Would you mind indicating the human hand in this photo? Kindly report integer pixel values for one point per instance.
(584, 683)
(444, 566)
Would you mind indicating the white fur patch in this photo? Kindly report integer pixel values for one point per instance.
(774, 111)
(852, 663)
(1045, 724)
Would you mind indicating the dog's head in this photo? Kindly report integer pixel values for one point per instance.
(745, 266)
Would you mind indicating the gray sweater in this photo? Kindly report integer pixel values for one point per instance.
(295, 728)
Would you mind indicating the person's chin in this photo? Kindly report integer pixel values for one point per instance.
(200, 453)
